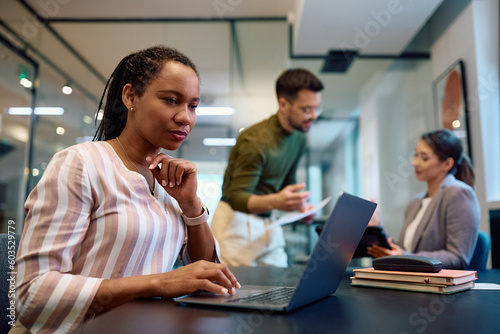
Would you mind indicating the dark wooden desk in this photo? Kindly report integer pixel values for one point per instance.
(349, 310)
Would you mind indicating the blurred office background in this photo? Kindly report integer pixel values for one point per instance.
(381, 62)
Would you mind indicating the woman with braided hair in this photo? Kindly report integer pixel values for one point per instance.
(109, 218)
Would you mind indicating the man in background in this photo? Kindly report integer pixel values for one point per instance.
(260, 176)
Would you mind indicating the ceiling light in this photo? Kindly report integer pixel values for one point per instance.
(456, 124)
(38, 111)
(60, 130)
(49, 111)
(24, 74)
(214, 111)
(67, 89)
(19, 111)
(87, 119)
(99, 115)
(219, 141)
(26, 83)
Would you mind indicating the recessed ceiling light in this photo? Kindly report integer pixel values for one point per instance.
(87, 119)
(219, 141)
(214, 111)
(49, 111)
(38, 111)
(19, 111)
(67, 89)
(100, 115)
(26, 83)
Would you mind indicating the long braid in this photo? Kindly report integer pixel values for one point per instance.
(114, 113)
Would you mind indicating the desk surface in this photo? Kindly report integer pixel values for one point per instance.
(349, 310)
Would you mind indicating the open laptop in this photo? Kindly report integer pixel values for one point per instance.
(324, 270)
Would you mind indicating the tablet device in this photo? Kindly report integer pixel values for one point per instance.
(373, 235)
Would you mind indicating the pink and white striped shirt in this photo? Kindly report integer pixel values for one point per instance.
(88, 219)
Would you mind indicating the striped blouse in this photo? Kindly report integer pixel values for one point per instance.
(88, 219)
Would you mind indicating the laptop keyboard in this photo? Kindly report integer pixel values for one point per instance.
(276, 296)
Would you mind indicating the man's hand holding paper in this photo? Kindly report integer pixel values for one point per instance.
(306, 215)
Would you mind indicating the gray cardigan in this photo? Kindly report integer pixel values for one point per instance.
(449, 227)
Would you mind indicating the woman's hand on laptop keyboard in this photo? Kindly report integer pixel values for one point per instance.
(201, 275)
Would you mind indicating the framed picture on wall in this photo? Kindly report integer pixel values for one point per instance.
(450, 99)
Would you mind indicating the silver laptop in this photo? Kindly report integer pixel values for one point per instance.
(324, 270)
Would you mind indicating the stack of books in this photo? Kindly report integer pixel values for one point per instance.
(445, 281)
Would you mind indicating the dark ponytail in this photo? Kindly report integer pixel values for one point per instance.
(138, 69)
(464, 171)
(446, 145)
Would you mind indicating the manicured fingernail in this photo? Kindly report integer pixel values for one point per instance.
(151, 166)
(238, 285)
(164, 183)
(171, 184)
(233, 291)
(224, 291)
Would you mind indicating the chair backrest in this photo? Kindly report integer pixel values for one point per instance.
(8, 252)
(481, 252)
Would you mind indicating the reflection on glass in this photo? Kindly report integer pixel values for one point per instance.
(15, 81)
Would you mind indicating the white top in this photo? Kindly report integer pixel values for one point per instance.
(412, 227)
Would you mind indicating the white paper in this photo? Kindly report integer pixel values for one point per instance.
(486, 286)
(294, 216)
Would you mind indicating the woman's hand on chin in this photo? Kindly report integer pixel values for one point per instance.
(177, 176)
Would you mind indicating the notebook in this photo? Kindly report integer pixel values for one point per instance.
(324, 270)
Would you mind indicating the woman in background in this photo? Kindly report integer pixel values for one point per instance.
(109, 218)
(443, 222)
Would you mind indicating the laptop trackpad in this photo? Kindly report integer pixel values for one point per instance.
(202, 296)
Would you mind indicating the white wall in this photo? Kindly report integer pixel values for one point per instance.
(487, 31)
(396, 109)
(474, 38)
(398, 106)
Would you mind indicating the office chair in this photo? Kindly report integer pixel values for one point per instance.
(480, 257)
(5, 248)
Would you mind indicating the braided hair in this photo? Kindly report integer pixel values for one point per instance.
(137, 69)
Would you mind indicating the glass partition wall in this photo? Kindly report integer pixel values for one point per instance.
(36, 120)
(18, 75)
(247, 59)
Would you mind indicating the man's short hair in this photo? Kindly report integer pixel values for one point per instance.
(291, 81)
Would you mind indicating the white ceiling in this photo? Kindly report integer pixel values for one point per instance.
(369, 26)
(262, 36)
(161, 8)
